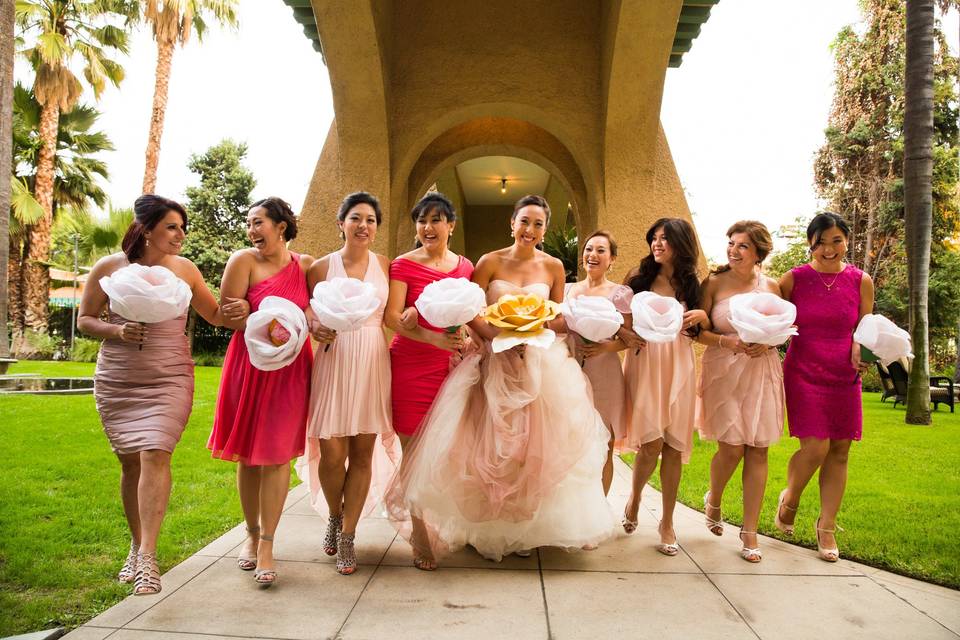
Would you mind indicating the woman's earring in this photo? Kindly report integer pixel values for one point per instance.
(343, 236)
(148, 242)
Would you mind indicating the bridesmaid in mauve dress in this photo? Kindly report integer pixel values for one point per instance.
(821, 374)
(350, 391)
(420, 354)
(143, 383)
(600, 360)
(740, 396)
(261, 416)
(661, 378)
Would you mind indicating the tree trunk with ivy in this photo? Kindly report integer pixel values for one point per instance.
(918, 195)
(36, 274)
(160, 91)
(7, 16)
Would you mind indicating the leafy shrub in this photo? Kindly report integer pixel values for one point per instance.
(34, 345)
(208, 359)
(85, 350)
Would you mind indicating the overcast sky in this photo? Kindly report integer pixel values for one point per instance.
(744, 114)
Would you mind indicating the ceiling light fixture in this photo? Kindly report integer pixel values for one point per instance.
(503, 185)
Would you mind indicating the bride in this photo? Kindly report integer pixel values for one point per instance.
(510, 455)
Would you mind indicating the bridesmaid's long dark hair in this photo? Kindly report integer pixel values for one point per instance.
(686, 254)
(148, 210)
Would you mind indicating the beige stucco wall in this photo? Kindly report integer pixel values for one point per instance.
(421, 85)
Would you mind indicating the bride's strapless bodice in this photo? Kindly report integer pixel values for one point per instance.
(498, 288)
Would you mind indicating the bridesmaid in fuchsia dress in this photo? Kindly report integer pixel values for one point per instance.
(261, 416)
(821, 374)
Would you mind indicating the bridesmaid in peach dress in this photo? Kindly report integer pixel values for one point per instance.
(144, 377)
(740, 396)
(600, 360)
(660, 379)
(350, 389)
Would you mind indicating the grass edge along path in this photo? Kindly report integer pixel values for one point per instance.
(901, 510)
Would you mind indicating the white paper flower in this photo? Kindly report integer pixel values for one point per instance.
(451, 302)
(593, 318)
(276, 319)
(542, 339)
(887, 341)
(763, 318)
(344, 304)
(656, 318)
(146, 294)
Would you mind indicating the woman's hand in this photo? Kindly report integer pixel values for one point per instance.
(590, 349)
(855, 360)
(733, 343)
(694, 317)
(132, 332)
(320, 333)
(755, 350)
(631, 339)
(409, 319)
(235, 309)
(447, 341)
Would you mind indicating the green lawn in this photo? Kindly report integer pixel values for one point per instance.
(62, 532)
(902, 506)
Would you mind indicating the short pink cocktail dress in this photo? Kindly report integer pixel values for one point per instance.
(822, 385)
(739, 398)
(261, 416)
(418, 369)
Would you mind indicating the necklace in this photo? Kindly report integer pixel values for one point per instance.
(824, 282)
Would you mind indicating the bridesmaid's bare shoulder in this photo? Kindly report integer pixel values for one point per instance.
(384, 262)
(108, 264)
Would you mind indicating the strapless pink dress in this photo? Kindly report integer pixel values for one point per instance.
(509, 456)
(739, 398)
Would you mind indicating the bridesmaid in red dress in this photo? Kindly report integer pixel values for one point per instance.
(420, 354)
(261, 416)
(821, 374)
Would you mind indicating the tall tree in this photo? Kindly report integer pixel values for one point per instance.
(60, 34)
(918, 194)
(172, 21)
(7, 19)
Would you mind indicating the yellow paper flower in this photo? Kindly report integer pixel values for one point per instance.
(524, 313)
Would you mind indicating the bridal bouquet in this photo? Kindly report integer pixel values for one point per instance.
(593, 318)
(763, 318)
(451, 302)
(521, 318)
(656, 318)
(146, 294)
(275, 333)
(344, 304)
(880, 339)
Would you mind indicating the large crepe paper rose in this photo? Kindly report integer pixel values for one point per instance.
(882, 339)
(520, 319)
(451, 302)
(656, 318)
(146, 294)
(344, 304)
(593, 318)
(763, 318)
(276, 319)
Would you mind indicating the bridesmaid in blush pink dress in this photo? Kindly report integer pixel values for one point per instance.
(261, 416)
(740, 396)
(143, 384)
(661, 378)
(821, 374)
(601, 361)
(350, 396)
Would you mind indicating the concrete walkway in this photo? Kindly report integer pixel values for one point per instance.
(624, 589)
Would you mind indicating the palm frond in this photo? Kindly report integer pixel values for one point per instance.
(25, 208)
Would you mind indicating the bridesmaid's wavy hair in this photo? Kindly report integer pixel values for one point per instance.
(279, 211)
(601, 233)
(759, 235)
(531, 200)
(359, 197)
(433, 202)
(822, 222)
(686, 254)
(148, 211)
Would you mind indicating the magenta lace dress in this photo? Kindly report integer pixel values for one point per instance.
(822, 386)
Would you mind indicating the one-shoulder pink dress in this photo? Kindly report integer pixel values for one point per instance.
(261, 416)
(739, 398)
(418, 369)
(822, 386)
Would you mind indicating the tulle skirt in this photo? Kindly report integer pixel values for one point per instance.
(509, 458)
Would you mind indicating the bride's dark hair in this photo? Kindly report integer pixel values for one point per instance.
(686, 254)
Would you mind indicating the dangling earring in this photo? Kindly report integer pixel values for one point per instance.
(343, 236)
(148, 242)
(511, 233)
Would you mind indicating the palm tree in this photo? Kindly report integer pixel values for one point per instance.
(76, 175)
(172, 21)
(918, 194)
(7, 19)
(96, 237)
(60, 32)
